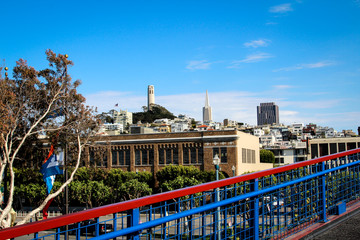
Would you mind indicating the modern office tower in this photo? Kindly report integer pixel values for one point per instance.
(267, 113)
(207, 110)
(151, 96)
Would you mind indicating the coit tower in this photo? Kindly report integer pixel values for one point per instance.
(151, 96)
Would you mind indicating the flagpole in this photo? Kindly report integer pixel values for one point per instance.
(66, 178)
(66, 193)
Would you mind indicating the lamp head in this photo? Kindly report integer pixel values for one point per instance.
(216, 160)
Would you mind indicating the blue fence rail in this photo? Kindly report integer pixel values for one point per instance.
(264, 205)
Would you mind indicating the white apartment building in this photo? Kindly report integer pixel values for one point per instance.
(296, 128)
(288, 152)
(179, 127)
(111, 129)
(277, 134)
(267, 140)
(330, 133)
(259, 132)
(162, 121)
(123, 117)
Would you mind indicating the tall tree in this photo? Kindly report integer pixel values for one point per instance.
(37, 103)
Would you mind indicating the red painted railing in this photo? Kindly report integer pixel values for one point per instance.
(132, 204)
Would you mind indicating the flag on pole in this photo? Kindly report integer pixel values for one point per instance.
(51, 167)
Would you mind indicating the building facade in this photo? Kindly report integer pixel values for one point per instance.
(267, 113)
(123, 117)
(325, 146)
(152, 152)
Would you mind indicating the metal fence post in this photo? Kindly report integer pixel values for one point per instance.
(163, 226)
(133, 220)
(97, 227)
(323, 189)
(254, 210)
(115, 223)
(203, 217)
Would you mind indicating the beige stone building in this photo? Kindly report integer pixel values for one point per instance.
(151, 152)
(325, 146)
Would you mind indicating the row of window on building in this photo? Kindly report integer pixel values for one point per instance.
(323, 149)
(145, 156)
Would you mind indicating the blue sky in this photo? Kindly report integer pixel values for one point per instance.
(302, 55)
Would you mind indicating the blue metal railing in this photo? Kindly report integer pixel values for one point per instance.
(269, 204)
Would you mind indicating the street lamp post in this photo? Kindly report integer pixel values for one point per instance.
(216, 162)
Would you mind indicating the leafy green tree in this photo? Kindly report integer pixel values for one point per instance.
(179, 182)
(171, 172)
(115, 177)
(119, 181)
(134, 189)
(97, 174)
(34, 193)
(156, 112)
(146, 177)
(267, 156)
(209, 176)
(91, 193)
(26, 175)
(82, 174)
(168, 177)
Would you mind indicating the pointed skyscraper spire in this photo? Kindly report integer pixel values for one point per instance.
(207, 110)
(207, 100)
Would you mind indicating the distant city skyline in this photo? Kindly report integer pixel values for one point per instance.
(303, 55)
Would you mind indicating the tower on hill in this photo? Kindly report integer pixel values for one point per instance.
(151, 96)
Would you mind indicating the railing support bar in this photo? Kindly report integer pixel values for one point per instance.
(115, 223)
(254, 210)
(323, 197)
(133, 220)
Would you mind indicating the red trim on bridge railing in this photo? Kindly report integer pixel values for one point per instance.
(136, 203)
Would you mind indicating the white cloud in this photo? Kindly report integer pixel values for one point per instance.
(257, 57)
(252, 58)
(282, 8)
(198, 65)
(314, 104)
(257, 43)
(271, 23)
(306, 66)
(289, 113)
(106, 101)
(281, 87)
